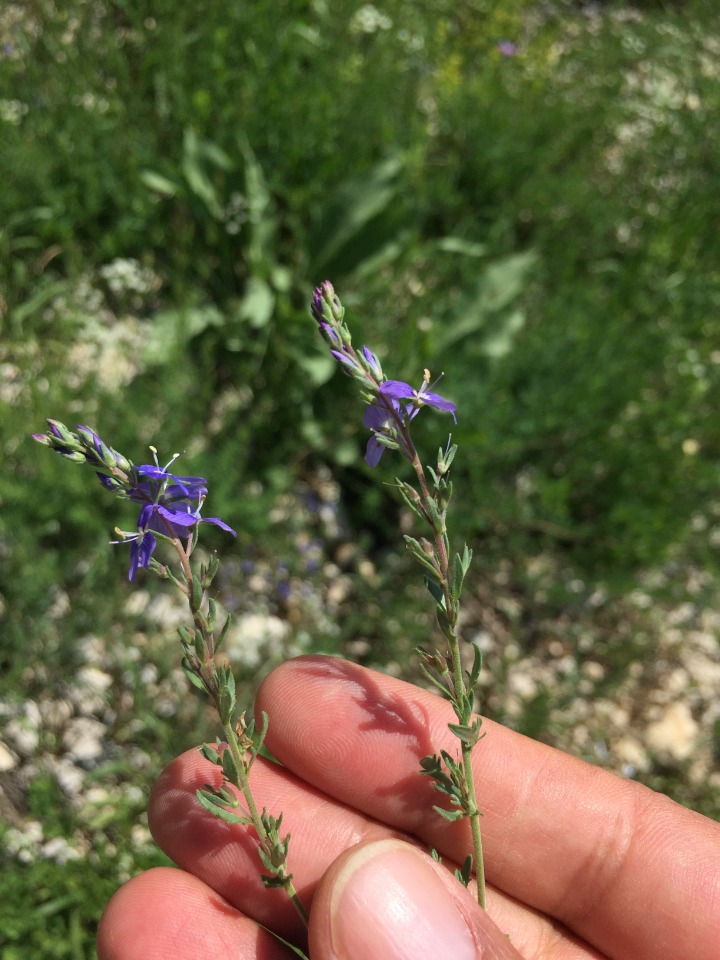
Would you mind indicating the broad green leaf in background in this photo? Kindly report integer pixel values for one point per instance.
(355, 203)
(494, 288)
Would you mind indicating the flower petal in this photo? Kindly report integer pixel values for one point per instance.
(141, 549)
(396, 389)
(440, 403)
(373, 452)
(218, 523)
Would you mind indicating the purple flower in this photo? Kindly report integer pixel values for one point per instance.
(177, 520)
(142, 546)
(171, 508)
(507, 48)
(378, 417)
(180, 487)
(399, 390)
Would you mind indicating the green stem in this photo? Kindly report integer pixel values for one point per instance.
(463, 713)
(243, 783)
(244, 786)
(474, 824)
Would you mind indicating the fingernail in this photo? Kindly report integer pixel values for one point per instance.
(388, 902)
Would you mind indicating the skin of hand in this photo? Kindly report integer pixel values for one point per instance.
(581, 865)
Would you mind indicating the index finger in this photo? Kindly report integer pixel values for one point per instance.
(623, 867)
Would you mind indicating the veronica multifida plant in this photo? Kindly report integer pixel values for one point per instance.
(170, 510)
(391, 407)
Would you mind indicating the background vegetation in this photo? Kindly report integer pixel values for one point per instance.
(522, 194)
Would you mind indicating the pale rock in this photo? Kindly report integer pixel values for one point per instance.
(83, 739)
(94, 679)
(522, 684)
(69, 776)
(58, 850)
(22, 731)
(55, 713)
(167, 611)
(593, 670)
(8, 760)
(631, 752)
(250, 634)
(339, 591)
(675, 734)
(676, 682)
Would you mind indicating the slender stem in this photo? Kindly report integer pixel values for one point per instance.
(241, 765)
(463, 713)
(474, 823)
(244, 786)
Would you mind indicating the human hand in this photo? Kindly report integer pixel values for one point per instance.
(582, 865)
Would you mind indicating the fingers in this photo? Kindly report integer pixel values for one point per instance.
(389, 899)
(322, 829)
(225, 857)
(169, 913)
(597, 852)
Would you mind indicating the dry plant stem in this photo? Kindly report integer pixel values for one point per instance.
(238, 754)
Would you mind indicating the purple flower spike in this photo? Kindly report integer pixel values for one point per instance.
(399, 390)
(325, 304)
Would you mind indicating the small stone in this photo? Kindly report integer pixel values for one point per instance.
(55, 713)
(83, 739)
(8, 760)
(58, 850)
(593, 670)
(358, 648)
(631, 753)
(675, 734)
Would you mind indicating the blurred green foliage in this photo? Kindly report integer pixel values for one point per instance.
(542, 226)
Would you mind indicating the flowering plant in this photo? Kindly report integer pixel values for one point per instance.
(391, 407)
(171, 512)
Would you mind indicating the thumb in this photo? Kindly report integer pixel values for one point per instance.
(386, 898)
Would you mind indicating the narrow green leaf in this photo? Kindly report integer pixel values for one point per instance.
(229, 768)
(464, 873)
(474, 673)
(194, 679)
(210, 803)
(199, 645)
(451, 815)
(459, 245)
(210, 754)
(227, 696)
(223, 633)
(212, 614)
(436, 591)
